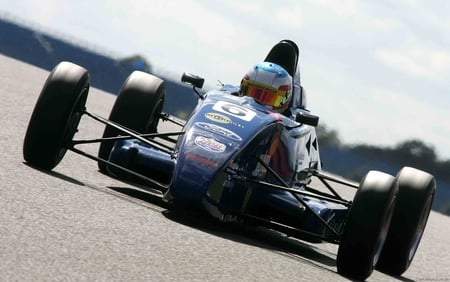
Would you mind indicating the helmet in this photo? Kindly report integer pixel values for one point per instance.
(269, 84)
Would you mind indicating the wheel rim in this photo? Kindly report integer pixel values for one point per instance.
(154, 120)
(74, 120)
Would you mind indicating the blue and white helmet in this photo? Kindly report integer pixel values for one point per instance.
(269, 84)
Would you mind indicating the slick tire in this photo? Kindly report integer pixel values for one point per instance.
(56, 115)
(416, 193)
(137, 107)
(367, 225)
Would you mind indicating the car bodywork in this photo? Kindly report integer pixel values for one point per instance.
(227, 142)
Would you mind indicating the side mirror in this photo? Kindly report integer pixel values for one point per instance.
(193, 79)
(306, 118)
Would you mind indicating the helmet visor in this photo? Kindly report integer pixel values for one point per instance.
(263, 94)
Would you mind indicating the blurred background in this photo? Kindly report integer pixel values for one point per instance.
(376, 72)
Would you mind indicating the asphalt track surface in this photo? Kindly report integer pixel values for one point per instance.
(76, 224)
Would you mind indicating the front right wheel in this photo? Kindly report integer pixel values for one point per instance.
(56, 115)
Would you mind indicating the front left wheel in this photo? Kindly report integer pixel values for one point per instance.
(137, 107)
(56, 115)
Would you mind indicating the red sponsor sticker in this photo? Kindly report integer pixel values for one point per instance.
(209, 144)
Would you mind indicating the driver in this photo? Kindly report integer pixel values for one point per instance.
(269, 84)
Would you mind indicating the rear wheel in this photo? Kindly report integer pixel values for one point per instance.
(416, 193)
(137, 107)
(367, 225)
(56, 115)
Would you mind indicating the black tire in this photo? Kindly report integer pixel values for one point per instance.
(56, 115)
(137, 107)
(367, 225)
(416, 193)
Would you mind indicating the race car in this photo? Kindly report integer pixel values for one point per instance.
(239, 162)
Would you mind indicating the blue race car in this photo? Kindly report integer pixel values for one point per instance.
(238, 161)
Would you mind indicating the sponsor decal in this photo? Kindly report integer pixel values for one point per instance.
(219, 130)
(209, 144)
(234, 110)
(218, 118)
